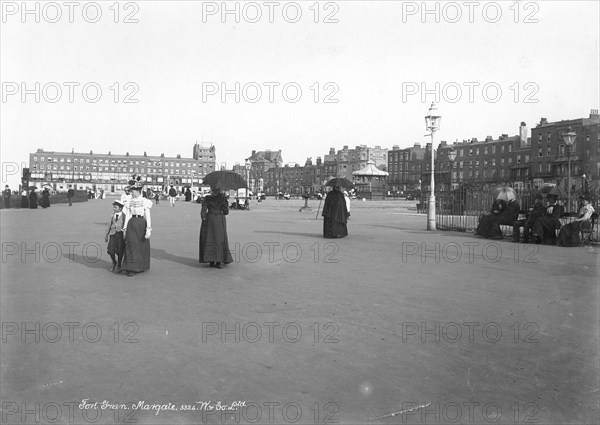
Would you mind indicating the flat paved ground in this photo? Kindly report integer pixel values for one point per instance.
(435, 327)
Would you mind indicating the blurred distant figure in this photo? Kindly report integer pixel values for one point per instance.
(347, 198)
(6, 195)
(70, 194)
(24, 199)
(172, 195)
(33, 200)
(46, 198)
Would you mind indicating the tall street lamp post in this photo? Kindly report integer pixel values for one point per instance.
(432, 123)
(248, 166)
(451, 157)
(569, 138)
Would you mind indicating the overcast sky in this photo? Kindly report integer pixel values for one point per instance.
(361, 69)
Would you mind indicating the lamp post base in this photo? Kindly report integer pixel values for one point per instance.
(431, 225)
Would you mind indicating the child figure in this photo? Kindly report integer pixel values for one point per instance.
(114, 237)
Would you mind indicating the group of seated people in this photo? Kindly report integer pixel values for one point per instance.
(540, 225)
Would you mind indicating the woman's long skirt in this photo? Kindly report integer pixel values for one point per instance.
(137, 247)
(214, 245)
(33, 201)
(570, 233)
(334, 229)
(24, 202)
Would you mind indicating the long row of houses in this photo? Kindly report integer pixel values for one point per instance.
(521, 160)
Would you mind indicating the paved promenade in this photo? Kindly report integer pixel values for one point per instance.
(393, 324)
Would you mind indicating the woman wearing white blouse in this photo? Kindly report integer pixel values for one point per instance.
(137, 231)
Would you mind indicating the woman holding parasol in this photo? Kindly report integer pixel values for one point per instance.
(214, 244)
(335, 211)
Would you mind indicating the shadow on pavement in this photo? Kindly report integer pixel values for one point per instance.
(161, 254)
(307, 235)
(91, 262)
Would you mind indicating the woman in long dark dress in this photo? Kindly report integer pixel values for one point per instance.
(335, 215)
(33, 200)
(45, 198)
(214, 245)
(137, 231)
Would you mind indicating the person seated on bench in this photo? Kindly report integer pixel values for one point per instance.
(506, 217)
(483, 227)
(569, 234)
(535, 212)
(545, 227)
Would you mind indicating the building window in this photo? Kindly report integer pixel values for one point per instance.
(561, 149)
(518, 159)
(540, 138)
(486, 150)
(493, 149)
(540, 152)
(548, 137)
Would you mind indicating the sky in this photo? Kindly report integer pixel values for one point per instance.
(158, 76)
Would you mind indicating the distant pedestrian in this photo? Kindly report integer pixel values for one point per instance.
(125, 198)
(347, 198)
(172, 195)
(214, 244)
(335, 215)
(6, 195)
(46, 198)
(137, 231)
(188, 195)
(33, 199)
(70, 194)
(157, 197)
(114, 237)
(24, 199)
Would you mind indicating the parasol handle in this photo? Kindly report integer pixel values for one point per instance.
(317, 216)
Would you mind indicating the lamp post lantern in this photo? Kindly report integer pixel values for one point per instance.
(569, 138)
(432, 123)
